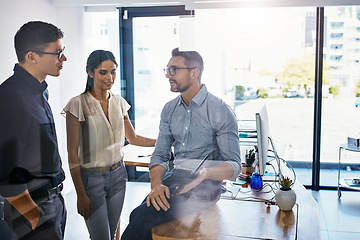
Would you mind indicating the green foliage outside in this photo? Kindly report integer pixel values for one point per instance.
(261, 92)
(357, 89)
(301, 72)
(335, 90)
(239, 92)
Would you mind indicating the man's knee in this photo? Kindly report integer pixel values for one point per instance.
(141, 213)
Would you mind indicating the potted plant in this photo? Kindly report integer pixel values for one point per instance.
(248, 167)
(285, 197)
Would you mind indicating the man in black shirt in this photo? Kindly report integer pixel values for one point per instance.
(31, 174)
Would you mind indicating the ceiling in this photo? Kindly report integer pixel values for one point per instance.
(197, 4)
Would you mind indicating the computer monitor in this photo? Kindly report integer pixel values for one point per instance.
(262, 130)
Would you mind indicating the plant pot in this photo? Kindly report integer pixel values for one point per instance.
(285, 199)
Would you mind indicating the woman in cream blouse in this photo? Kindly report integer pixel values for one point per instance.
(97, 124)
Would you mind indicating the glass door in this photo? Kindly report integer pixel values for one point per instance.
(154, 38)
(147, 37)
(340, 112)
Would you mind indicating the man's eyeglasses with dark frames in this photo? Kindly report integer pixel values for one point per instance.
(59, 54)
(172, 70)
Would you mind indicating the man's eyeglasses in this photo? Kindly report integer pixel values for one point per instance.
(172, 70)
(58, 54)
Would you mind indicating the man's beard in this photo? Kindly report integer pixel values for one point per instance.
(176, 88)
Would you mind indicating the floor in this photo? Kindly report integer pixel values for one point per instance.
(75, 226)
(328, 174)
(339, 218)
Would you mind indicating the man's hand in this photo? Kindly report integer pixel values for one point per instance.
(84, 206)
(158, 197)
(27, 207)
(202, 174)
(33, 216)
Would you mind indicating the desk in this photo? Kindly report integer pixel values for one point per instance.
(232, 219)
(239, 219)
(346, 182)
(137, 156)
(243, 218)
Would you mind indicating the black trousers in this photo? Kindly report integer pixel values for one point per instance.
(143, 218)
(51, 224)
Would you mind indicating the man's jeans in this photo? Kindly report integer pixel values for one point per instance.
(143, 218)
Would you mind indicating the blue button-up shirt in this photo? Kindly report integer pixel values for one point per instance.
(27, 134)
(208, 126)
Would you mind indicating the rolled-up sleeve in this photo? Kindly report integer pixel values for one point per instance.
(162, 152)
(227, 138)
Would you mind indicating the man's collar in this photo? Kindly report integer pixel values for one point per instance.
(199, 98)
(29, 79)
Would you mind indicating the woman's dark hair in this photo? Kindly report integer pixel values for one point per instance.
(94, 60)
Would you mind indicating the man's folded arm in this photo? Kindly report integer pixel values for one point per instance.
(22, 202)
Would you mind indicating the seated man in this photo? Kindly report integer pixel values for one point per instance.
(200, 126)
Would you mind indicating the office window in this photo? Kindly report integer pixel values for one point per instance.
(260, 56)
(102, 32)
(153, 39)
(339, 114)
(258, 50)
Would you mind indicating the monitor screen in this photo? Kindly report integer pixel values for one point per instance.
(262, 130)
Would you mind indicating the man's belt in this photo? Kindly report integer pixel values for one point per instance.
(46, 192)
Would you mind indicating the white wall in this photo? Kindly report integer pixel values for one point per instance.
(73, 76)
(13, 14)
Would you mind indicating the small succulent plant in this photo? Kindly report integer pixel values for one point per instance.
(285, 183)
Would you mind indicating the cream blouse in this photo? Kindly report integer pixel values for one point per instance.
(101, 139)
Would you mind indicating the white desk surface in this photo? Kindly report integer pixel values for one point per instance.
(137, 156)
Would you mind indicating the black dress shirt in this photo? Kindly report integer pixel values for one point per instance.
(28, 143)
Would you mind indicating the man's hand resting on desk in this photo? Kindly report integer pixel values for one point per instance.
(158, 197)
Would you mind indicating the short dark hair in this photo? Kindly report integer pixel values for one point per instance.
(35, 36)
(192, 59)
(94, 60)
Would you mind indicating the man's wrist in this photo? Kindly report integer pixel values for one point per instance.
(155, 184)
(203, 173)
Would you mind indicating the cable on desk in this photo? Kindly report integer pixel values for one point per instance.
(232, 194)
(262, 189)
(287, 164)
(251, 196)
